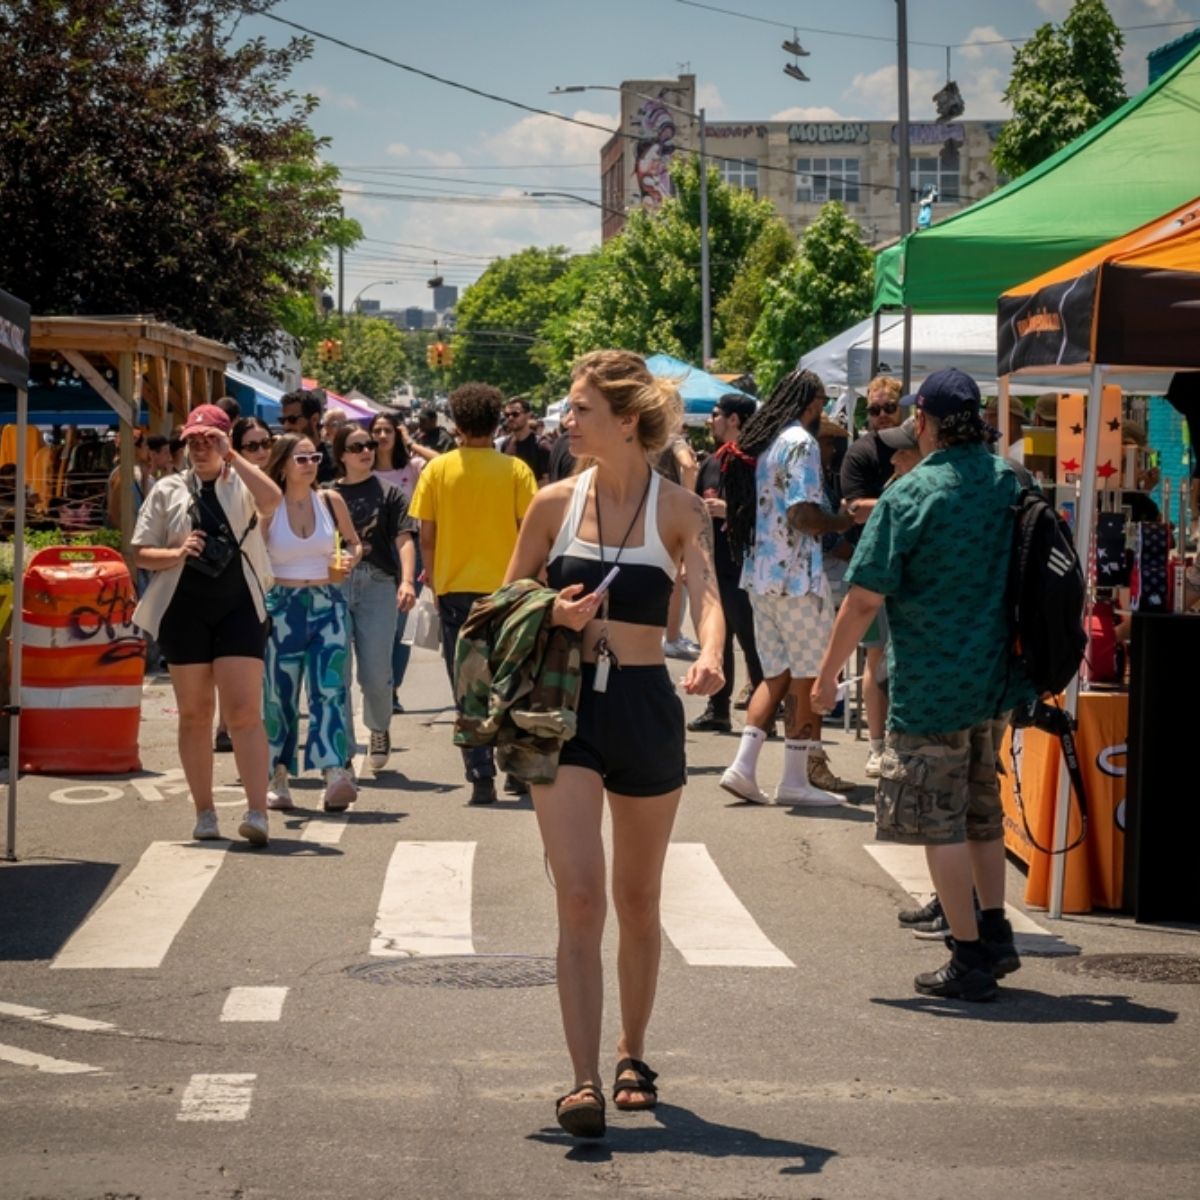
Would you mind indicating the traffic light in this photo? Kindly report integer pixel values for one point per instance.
(438, 354)
(325, 350)
(431, 355)
(335, 349)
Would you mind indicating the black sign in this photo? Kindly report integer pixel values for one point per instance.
(14, 341)
(1049, 327)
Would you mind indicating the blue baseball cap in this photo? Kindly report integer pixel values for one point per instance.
(949, 393)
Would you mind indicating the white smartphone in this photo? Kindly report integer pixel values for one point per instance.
(606, 582)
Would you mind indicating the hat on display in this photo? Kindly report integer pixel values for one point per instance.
(206, 418)
(902, 437)
(1046, 408)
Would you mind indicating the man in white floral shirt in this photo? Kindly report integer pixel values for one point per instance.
(776, 517)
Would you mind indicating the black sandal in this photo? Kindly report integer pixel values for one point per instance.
(643, 1083)
(585, 1118)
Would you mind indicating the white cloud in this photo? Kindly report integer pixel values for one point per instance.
(542, 139)
(810, 112)
(398, 150)
(873, 96)
(335, 99)
(983, 41)
(708, 97)
(359, 206)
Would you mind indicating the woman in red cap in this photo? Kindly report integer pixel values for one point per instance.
(198, 534)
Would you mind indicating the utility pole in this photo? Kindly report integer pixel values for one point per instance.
(341, 267)
(905, 169)
(705, 292)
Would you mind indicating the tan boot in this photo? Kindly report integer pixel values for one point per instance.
(821, 775)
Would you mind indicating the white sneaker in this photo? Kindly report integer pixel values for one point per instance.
(340, 791)
(254, 828)
(278, 795)
(808, 794)
(743, 787)
(207, 829)
(873, 760)
(681, 647)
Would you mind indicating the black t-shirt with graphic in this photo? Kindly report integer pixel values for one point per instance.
(380, 514)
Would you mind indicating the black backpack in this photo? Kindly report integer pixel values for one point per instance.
(1046, 592)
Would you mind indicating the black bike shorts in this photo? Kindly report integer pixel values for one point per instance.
(632, 734)
(200, 631)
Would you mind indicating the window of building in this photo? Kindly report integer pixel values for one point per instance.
(938, 171)
(821, 179)
(740, 172)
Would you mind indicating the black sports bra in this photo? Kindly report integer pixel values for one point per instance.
(641, 592)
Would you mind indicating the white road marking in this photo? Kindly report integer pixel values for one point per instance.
(87, 793)
(60, 1020)
(172, 783)
(43, 1062)
(906, 865)
(254, 1004)
(705, 920)
(135, 926)
(217, 1098)
(425, 907)
(326, 830)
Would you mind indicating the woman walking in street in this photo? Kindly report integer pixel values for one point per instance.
(381, 584)
(630, 730)
(198, 533)
(308, 625)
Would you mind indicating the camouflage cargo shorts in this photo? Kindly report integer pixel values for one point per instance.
(941, 788)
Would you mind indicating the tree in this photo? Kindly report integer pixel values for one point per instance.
(824, 289)
(643, 289)
(152, 164)
(370, 352)
(498, 317)
(739, 310)
(1064, 80)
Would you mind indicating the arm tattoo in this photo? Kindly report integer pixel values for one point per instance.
(705, 538)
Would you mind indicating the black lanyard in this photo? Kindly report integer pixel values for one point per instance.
(602, 646)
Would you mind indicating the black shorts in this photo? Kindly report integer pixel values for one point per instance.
(200, 631)
(632, 734)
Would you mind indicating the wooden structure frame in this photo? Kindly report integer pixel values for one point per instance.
(171, 369)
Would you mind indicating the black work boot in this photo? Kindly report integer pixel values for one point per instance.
(967, 976)
(996, 936)
(711, 721)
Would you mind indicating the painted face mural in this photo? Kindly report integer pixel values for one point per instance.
(655, 149)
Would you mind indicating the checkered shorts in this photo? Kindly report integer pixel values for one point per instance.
(791, 632)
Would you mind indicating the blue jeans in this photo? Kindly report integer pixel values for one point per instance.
(453, 608)
(371, 594)
(402, 651)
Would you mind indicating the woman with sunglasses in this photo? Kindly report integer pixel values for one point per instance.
(199, 534)
(309, 635)
(866, 469)
(381, 584)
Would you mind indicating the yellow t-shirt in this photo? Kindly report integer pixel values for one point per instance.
(476, 496)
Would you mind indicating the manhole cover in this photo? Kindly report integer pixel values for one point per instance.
(1137, 968)
(461, 971)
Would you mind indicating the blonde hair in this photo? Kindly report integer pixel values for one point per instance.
(623, 379)
(888, 384)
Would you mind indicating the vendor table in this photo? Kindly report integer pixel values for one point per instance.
(1095, 869)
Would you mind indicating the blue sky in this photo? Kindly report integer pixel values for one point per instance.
(394, 132)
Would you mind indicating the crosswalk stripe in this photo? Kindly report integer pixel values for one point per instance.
(425, 906)
(59, 1020)
(217, 1098)
(136, 925)
(907, 866)
(43, 1062)
(705, 920)
(254, 1004)
(326, 830)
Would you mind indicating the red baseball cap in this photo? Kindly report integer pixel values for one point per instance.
(207, 417)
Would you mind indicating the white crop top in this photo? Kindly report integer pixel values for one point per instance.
(293, 557)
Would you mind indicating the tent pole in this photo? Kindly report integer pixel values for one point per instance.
(14, 717)
(1084, 523)
(1003, 421)
(906, 367)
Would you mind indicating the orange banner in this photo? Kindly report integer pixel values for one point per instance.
(1096, 869)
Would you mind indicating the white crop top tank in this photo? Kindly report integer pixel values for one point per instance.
(294, 557)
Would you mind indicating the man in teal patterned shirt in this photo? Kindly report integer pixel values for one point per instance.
(937, 548)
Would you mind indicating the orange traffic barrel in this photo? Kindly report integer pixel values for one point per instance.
(83, 664)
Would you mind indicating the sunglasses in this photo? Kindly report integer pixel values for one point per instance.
(512, 416)
(306, 460)
(875, 409)
(290, 420)
(251, 447)
(360, 447)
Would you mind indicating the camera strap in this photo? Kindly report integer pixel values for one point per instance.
(223, 522)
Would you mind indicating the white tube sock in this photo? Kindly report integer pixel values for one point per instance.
(749, 749)
(795, 763)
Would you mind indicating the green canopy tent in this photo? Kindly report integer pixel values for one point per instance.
(1141, 161)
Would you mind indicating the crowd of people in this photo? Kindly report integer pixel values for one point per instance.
(276, 561)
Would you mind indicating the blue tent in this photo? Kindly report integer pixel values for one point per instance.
(698, 389)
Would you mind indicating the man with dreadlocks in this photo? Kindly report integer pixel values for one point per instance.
(774, 494)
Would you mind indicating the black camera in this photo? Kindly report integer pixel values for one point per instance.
(215, 555)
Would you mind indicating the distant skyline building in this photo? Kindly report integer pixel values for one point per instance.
(445, 297)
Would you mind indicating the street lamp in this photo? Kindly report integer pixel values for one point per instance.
(616, 212)
(705, 298)
(373, 283)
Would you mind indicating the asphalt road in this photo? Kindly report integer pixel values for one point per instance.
(818, 1073)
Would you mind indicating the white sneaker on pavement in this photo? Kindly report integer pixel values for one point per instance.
(810, 795)
(279, 796)
(254, 828)
(872, 767)
(743, 787)
(207, 829)
(340, 791)
(681, 647)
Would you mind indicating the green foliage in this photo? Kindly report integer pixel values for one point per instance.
(740, 309)
(824, 289)
(373, 358)
(498, 318)
(1065, 79)
(152, 164)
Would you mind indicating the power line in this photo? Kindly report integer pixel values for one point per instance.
(403, 167)
(460, 182)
